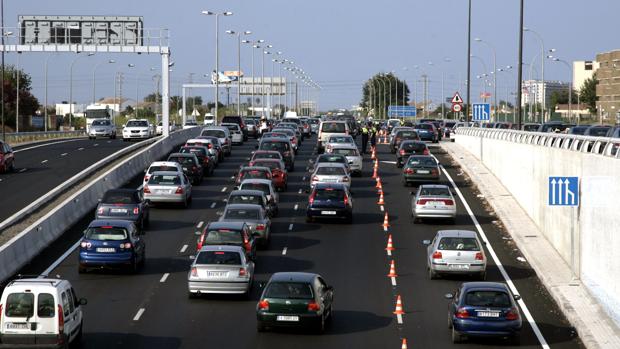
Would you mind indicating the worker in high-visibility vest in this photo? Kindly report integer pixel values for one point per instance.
(365, 133)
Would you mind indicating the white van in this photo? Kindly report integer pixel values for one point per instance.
(40, 313)
(331, 128)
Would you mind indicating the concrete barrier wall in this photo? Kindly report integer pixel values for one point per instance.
(587, 237)
(32, 240)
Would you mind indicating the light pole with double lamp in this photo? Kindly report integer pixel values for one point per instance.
(494, 73)
(90, 54)
(217, 55)
(254, 44)
(570, 87)
(232, 32)
(111, 61)
(262, 79)
(542, 69)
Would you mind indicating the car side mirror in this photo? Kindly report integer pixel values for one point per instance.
(449, 296)
(426, 242)
(516, 297)
(83, 301)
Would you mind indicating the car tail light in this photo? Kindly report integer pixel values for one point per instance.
(209, 146)
(462, 313)
(434, 171)
(263, 305)
(425, 152)
(85, 244)
(311, 199)
(194, 168)
(61, 321)
(260, 227)
(100, 210)
(345, 179)
(146, 190)
(402, 152)
(294, 140)
(346, 200)
(512, 314)
(315, 178)
(421, 202)
(179, 190)
(448, 202)
(437, 255)
(194, 271)
(242, 272)
(136, 210)
(409, 171)
(314, 306)
(479, 256)
(201, 241)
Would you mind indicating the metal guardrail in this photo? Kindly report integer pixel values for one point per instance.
(22, 137)
(604, 146)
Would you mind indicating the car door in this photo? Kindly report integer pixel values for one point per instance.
(68, 309)
(46, 316)
(137, 242)
(188, 186)
(78, 312)
(326, 294)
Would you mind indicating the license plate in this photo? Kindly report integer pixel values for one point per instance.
(118, 210)
(217, 274)
(488, 314)
(435, 203)
(287, 318)
(424, 171)
(163, 191)
(458, 266)
(16, 326)
(328, 212)
(105, 249)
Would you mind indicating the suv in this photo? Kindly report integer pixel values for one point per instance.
(7, 157)
(191, 165)
(41, 313)
(239, 121)
(102, 128)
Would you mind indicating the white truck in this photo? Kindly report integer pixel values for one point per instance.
(98, 111)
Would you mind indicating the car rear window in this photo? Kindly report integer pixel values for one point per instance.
(270, 164)
(45, 305)
(101, 123)
(120, 198)
(332, 158)
(162, 168)
(419, 161)
(214, 133)
(329, 170)
(165, 180)
(598, 131)
(435, 192)
(289, 290)
(223, 236)
(497, 299)
(106, 233)
(406, 134)
(245, 199)
(234, 127)
(458, 244)
(424, 127)
(191, 150)
(346, 152)
(333, 127)
(411, 146)
(277, 146)
(274, 155)
(339, 139)
(259, 174)
(329, 194)
(241, 214)
(256, 186)
(393, 123)
(20, 305)
(183, 160)
(231, 119)
(219, 257)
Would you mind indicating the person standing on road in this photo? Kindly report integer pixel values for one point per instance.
(263, 126)
(373, 136)
(365, 132)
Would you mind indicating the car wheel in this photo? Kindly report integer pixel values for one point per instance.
(260, 327)
(449, 321)
(185, 203)
(78, 338)
(12, 167)
(456, 337)
(431, 274)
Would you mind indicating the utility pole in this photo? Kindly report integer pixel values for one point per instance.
(2, 73)
(425, 82)
(520, 68)
(467, 104)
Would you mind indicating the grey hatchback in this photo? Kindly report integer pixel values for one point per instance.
(125, 204)
(456, 252)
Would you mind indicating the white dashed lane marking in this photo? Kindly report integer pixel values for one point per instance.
(44, 161)
(63, 154)
(284, 250)
(164, 278)
(290, 227)
(139, 314)
(224, 189)
(213, 205)
(23, 170)
(183, 249)
(200, 224)
(296, 207)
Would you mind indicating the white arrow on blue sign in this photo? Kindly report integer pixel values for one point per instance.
(481, 111)
(563, 191)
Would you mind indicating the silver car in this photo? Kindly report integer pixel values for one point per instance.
(338, 139)
(350, 151)
(330, 172)
(168, 187)
(222, 134)
(433, 201)
(235, 132)
(254, 216)
(101, 128)
(267, 187)
(220, 269)
(456, 252)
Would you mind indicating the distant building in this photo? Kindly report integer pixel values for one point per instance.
(582, 71)
(66, 108)
(576, 110)
(608, 88)
(112, 103)
(533, 91)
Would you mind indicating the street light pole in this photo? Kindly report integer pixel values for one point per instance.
(542, 69)
(467, 117)
(111, 61)
(217, 55)
(494, 73)
(570, 87)
(232, 32)
(262, 79)
(45, 106)
(520, 66)
(71, 86)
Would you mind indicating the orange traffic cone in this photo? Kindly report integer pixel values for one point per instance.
(374, 173)
(378, 182)
(385, 218)
(392, 273)
(404, 346)
(390, 245)
(399, 307)
(381, 202)
(380, 187)
(372, 154)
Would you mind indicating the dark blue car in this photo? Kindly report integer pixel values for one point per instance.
(330, 200)
(427, 132)
(111, 244)
(484, 309)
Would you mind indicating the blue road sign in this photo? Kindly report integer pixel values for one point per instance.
(563, 191)
(402, 110)
(481, 111)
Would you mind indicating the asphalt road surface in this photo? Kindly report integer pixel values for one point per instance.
(152, 309)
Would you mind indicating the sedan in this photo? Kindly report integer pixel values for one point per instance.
(484, 309)
(403, 135)
(295, 299)
(252, 197)
(331, 158)
(191, 166)
(7, 158)
(125, 204)
(265, 154)
(330, 173)
(220, 269)
(420, 168)
(329, 200)
(408, 148)
(227, 233)
(455, 252)
(350, 151)
(267, 187)
(279, 175)
(338, 139)
(433, 201)
(254, 216)
(137, 129)
(252, 172)
(202, 153)
(111, 244)
(168, 187)
(212, 145)
(101, 128)
(427, 132)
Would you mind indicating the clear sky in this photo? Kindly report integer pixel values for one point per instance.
(339, 43)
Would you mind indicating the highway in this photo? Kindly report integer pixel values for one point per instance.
(43, 166)
(152, 309)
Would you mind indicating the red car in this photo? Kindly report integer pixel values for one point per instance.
(279, 176)
(7, 158)
(252, 172)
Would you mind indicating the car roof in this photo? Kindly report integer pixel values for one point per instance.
(338, 186)
(293, 276)
(165, 163)
(247, 192)
(322, 156)
(225, 225)
(266, 151)
(243, 206)
(256, 168)
(257, 180)
(225, 248)
(275, 139)
(434, 186)
(36, 281)
(165, 173)
(457, 233)
(330, 164)
(110, 222)
(343, 146)
(187, 155)
(484, 285)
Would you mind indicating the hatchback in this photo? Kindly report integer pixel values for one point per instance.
(252, 172)
(408, 148)
(330, 173)
(125, 204)
(283, 146)
(252, 197)
(330, 158)
(220, 269)
(292, 137)
(101, 128)
(212, 145)
(254, 216)
(350, 151)
(403, 135)
(427, 132)
(161, 166)
(111, 244)
(227, 233)
(168, 187)
(338, 139)
(455, 252)
(267, 187)
(420, 168)
(279, 175)
(330, 201)
(202, 153)
(484, 309)
(295, 299)
(265, 154)
(191, 166)
(433, 201)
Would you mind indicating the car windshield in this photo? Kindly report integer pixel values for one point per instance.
(458, 244)
(101, 123)
(289, 290)
(420, 161)
(412, 146)
(115, 197)
(260, 174)
(406, 134)
(333, 127)
(214, 133)
(136, 123)
(277, 146)
(329, 194)
(579, 130)
(165, 180)
(330, 171)
(339, 139)
(219, 257)
(157, 168)
(183, 160)
(245, 199)
(598, 131)
(496, 299)
(192, 150)
(429, 191)
(223, 236)
(106, 233)
(241, 214)
(393, 123)
(231, 127)
(346, 152)
(256, 186)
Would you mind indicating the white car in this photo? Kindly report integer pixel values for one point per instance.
(137, 129)
(43, 311)
(235, 132)
(168, 187)
(160, 128)
(162, 166)
(209, 120)
(330, 172)
(190, 124)
(221, 133)
(350, 151)
(329, 128)
(264, 185)
(338, 139)
(433, 201)
(102, 128)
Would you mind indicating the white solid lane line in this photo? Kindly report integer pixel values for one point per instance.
(296, 207)
(139, 314)
(382, 208)
(60, 259)
(46, 144)
(23, 170)
(184, 248)
(300, 191)
(80, 149)
(501, 268)
(393, 281)
(96, 145)
(164, 278)
(284, 250)
(44, 161)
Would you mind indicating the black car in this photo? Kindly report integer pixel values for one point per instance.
(190, 164)
(408, 148)
(202, 153)
(402, 135)
(283, 146)
(597, 130)
(330, 200)
(125, 204)
(239, 121)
